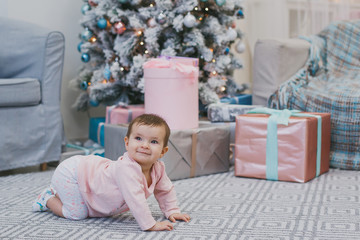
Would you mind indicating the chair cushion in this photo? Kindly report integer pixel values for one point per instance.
(16, 92)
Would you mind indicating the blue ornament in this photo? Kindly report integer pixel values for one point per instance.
(85, 57)
(86, 35)
(240, 14)
(102, 23)
(227, 50)
(107, 72)
(84, 85)
(123, 1)
(94, 103)
(220, 2)
(79, 46)
(86, 7)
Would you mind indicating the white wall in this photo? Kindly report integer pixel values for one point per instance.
(64, 16)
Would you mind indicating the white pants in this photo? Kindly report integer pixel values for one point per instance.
(65, 183)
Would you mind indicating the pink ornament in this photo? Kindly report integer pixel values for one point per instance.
(151, 22)
(93, 3)
(119, 27)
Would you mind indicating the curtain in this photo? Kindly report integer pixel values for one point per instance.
(311, 16)
(293, 18)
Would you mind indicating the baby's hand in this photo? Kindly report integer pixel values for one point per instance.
(160, 226)
(179, 216)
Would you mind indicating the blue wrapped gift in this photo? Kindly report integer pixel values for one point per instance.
(94, 128)
(243, 99)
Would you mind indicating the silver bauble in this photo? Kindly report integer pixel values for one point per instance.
(161, 18)
(189, 20)
(240, 47)
(231, 34)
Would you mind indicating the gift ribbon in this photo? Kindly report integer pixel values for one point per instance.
(163, 63)
(282, 117)
(86, 151)
(100, 137)
(225, 113)
(193, 154)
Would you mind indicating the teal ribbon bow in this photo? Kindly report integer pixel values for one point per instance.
(282, 117)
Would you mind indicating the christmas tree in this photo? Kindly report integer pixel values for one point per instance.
(120, 35)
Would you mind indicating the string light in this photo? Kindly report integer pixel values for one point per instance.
(93, 39)
(122, 69)
(213, 60)
(146, 51)
(141, 43)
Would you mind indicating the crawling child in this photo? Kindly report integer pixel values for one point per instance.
(93, 186)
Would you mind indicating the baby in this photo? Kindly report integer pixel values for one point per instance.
(92, 186)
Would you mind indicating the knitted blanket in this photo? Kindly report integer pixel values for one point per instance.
(330, 82)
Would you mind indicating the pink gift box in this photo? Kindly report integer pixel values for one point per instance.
(123, 114)
(297, 147)
(171, 90)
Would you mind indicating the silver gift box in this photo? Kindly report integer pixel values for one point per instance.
(192, 152)
(224, 112)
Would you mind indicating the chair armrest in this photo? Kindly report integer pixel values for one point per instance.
(275, 61)
(32, 51)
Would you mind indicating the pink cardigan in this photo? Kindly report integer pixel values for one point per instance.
(112, 187)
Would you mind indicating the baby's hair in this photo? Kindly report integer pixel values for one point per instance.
(152, 120)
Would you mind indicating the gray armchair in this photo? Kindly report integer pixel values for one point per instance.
(31, 64)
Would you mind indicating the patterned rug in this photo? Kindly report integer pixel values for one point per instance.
(221, 206)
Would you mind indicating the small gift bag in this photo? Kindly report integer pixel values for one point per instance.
(118, 114)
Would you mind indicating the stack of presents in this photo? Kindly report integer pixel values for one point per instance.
(284, 145)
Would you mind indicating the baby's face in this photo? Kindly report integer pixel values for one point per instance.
(145, 144)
